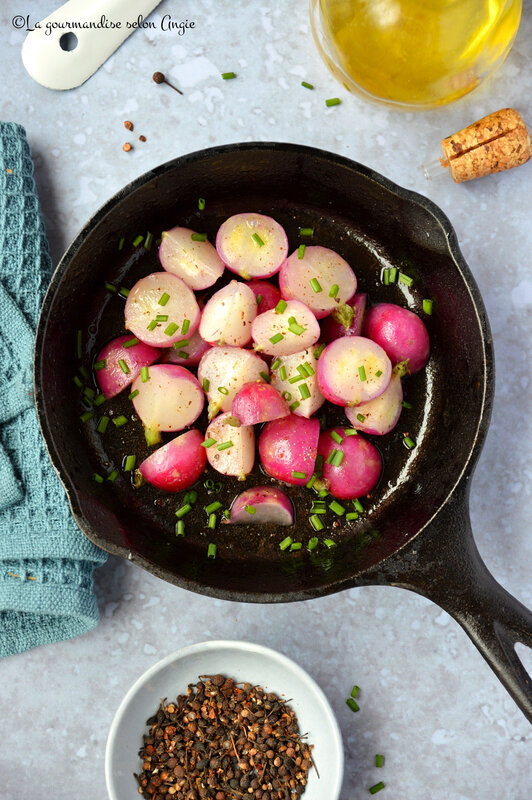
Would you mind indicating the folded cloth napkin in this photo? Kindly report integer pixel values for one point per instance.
(46, 564)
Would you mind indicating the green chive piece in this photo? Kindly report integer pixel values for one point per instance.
(282, 373)
(185, 326)
(259, 299)
(276, 364)
(333, 101)
(138, 240)
(337, 508)
(265, 377)
(120, 421)
(295, 328)
(312, 481)
(296, 546)
(336, 437)
(152, 325)
(171, 329)
(210, 509)
(315, 285)
(99, 365)
(191, 496)
(250, 509)
(123, 366)
(99, 399)
(211, 524)
(406, 404)
(334, 290)
(304, 391)
(297, 378)
(350, 432)
(355, 690)
(129, 464)
(427, 306)
(353, 705)
(227, 513)
(376, 787)
(318, 510)
(280, 307)
(408, 442)
(331, 456)
(209, 483)
(161, 318)
(308, 369)
(351, 516)
(201, 203)
(206, 384)
(312, 543)
(148, 241)
(306, 231)
(301, 251)
(102, 425)
(362, 373)
(224, 445)
(307, 85)
(144, 374)
(318, 464)
(406, 279)
(208, 442)
(329, 543)
(285, 544)
(227, 76)
(223, 390)
(277, 338)
(299, 475)
(316, 523)
(358, 505)
(110, 286)
(83, 372)
(199, 237)
(181, 343)
(386, 276)
(182, 353)
(256, 238)
(287, 396)
(133, 394)
(163, 299)
(79, 344)
(294, 405)
(378, 373)
(77, 381)
(180, 528)
(361, 417)
(323, 493)
(113, 476)
(86, 416)
(130, 342)
(89, 392)
(123, 292)
(183, 510)
(121, 242)
(211, 550)
(338, 458)
(319, 350)
(97, 478)
(379, 760)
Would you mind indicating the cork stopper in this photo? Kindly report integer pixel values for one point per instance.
(495, 143)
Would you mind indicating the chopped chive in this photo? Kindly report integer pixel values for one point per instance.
(182, 353)
(316, 523)
(86, 416)
(161, 318)
(83, 372)
(121, 242)
(227, 76)
(312, 481)
(295, 328)
(282, 373)
(129, 464)
(133, 394)
(299, 475)
(277, 338)
(285, 544)
(181, 343)
(376, 787)
(180, 528)
(353, 705)
(148, 241)
(79, 343)
(331, 456)
(99, 399)
(211, 550)
(350, 432)
(120, 421)
(77, 381)
(102, 425)
(206, 384)
(99, 365)
(280, 307)
(296, 378)
(224, 445)
(276, 364)
(258, 241)
(259, 299)
(208, 442)
(123, 291)
(227, 513)
(212, 507)
(379, 760)
(362, 373)
(315, 285)
(308, 369)
(296, 546)
(144, 374)
(250, 509)
(123, 366)
(163, 299)
(352, 515)
(318, 464)
(209, 483)
(223, 390)
(336, 437)
(406, 404)
(265, 376)
(304, 391)
(323, 493)
(287, 396)
(386, 276)
(333, 101)
(201, 203)
(337, 508)
(319, 350)
(338, 458)
(378, 373)
(211, 524)
(110, 286)
(307, 85)
(358, 505)
(294, 405)
(306, 231)
(408, 442)
(138, 240)
(302, 371)
(89, 392)
(96, 477)
(355, 690)
(185, 326)
(113, 476)
(334, 290)
(318, 510)
(406, 279)
(198, 237)
(312, 543)
(130, 342)
(171, 329)
(152, 325)
(180, 513)
(301, 251)
(361, 417)
(329, 543)
(427, 306)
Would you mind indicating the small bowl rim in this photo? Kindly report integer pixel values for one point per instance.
(238, 645)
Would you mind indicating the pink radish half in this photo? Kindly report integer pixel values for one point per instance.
(161, 295)
(236, 459)
(346, 320)
(379, 416)
(252, 245)
(400, 332)
(360, 467)
(263, 505)
(227, 316)
(285, 333)
(298, 366)
(178, 464)
(193, 346)
(223, 371)
(170, 400)
(259, 402)
(197, 263)
(266, 294)
(112, 378)
(288, 448)
(315, 277)
(353, 370)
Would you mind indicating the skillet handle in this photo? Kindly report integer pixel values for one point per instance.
(447, 568)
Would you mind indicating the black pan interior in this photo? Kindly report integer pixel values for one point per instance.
(372, 223)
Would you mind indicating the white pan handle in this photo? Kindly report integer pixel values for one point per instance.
(55, 68)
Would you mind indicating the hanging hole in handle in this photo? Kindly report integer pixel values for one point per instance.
(524, 653)
(68, 41)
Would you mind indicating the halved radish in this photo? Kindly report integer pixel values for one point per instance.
(195, 262)
(321, 279)
(293, 327)
(160, 309)
(288, 448)
(178, 464)
(262, 505)
(356, 471)
(223, 371)
(252, 245)
(169, 399)
(233, 450)
(400, 332)
(187, 351)
(353, 370)
(379, 416)
(227, 316)
(121, 365)
(346, 320)
(266, 294)
(296, 378)
(258, 402)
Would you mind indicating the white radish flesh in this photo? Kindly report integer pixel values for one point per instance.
(177, 465)
(322, 279)
(259, 402)
(227, 316)
(304, 367)
(122, 364)
(252, 245)
(282, 334)
(170, 400)
(187, 351)
(353, 370)
(195, 262)
(379, 416)
(233, 451)
(262, 505)
(161, 295)
(223, 371)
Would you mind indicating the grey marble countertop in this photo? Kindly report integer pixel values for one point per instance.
(429, 702)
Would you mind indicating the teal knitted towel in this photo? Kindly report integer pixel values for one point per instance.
(46, 564)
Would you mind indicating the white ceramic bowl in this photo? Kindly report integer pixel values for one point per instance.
(242, 661)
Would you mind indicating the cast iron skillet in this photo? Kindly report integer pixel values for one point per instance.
(415, 531)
